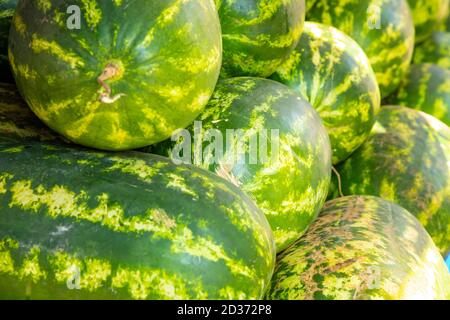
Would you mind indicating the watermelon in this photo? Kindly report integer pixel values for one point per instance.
(7, 8)
(435, 50)
(16, 119)
(384, 29)
(362, 247)
(79, 224)
(284, 162)
(405, 160)
(428, 16)
(334, 74)
(258, 35)
(127, 76)
(426, 88)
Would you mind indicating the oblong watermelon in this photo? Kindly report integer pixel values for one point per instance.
(78, 224)
(127, 76)
(333, 73)
(258, 35)
(405, 160)
(285, 163)
(362, 247)
(435, 50)
(7, 8)
(384, 29)
(428, 15)
(426, 88)
(16, 119)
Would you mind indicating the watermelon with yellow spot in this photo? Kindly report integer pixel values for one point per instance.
(406, 160)
(7, 8)
(264, 138)
(79, 224)
(428, 15)
(362, 248)
(258, 35)
(434, 50)
(116, 75)
(426, 88)
(17, 121)
(384, 29)
(334, 74)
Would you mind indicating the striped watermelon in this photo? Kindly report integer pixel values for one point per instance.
(258, 35)
(426, 88)
(384, 29)
(79, 224)
(435, 50)
(133, 72)
(334, 74)
(406, 161)
(362, 248)
(7, 8)
(291, 185)
(428, 16)
(16, 119)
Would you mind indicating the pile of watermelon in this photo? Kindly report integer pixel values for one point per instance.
(227, 149)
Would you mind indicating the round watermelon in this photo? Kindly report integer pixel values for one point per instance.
(384, 29)
(333, 73)
(284, 158)
(435, 50)
(258, 35)
(426, 88)
(116, 75)
(362, 247)
(7, 8)
(406, 160)
(427, 16)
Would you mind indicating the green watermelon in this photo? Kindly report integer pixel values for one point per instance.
(426, 88)
(435, 50)
(384, 29)
(258, 35)
(7, 8)
(78, 224)
(406, 160)
(334, 74)
(362, 247)
(132, 73)
(285, 163)
(427, 16)
(16, 119)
